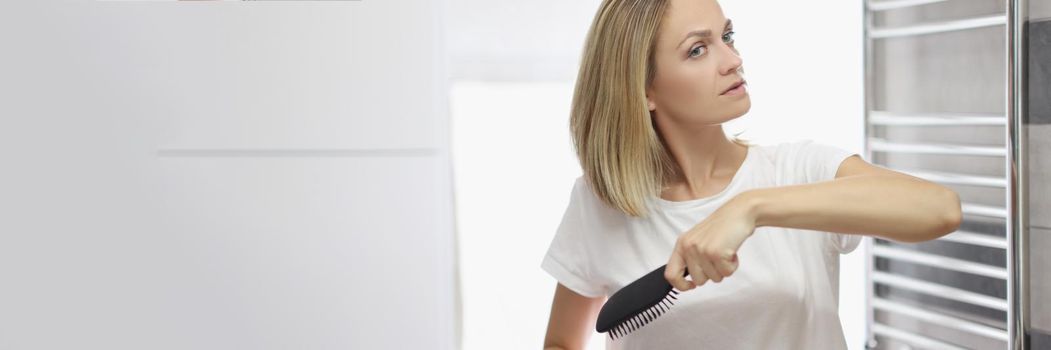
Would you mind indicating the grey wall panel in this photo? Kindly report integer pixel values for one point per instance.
(1039, 71)
(1039, 10)
(1040, 280)
(1040, 339)
(1039, 172)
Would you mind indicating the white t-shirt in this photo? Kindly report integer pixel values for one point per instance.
(784, 294)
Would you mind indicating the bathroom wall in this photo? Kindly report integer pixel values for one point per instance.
(1038, 128)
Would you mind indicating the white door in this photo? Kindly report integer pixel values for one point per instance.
(224, 175)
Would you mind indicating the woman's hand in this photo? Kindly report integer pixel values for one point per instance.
(709, 249)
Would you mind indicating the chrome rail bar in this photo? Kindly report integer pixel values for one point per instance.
(940, 319)
(938, 261)
(941, 27)
(939, 290)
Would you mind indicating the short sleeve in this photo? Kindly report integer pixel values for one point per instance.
(567, 258)
(844, 243)
(816, 162)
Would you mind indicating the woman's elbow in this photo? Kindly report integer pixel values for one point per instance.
(951, 216)
(942, 221)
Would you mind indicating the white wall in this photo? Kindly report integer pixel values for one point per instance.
(514, 162)
(514, 168)
(224, 175)
(804, 67)
(514, 41)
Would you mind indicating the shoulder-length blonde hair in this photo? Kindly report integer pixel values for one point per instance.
(621, 154)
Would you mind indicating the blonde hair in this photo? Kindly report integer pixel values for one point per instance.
(622, 156)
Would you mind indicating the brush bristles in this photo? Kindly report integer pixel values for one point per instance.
(644, 317)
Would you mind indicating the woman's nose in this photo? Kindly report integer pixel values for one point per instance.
(731, 61)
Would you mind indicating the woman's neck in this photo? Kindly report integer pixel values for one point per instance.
(703, 157)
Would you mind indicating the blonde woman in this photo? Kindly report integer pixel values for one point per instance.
(759, 228)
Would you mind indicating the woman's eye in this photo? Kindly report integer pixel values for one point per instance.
(729, 34)
(696, 51)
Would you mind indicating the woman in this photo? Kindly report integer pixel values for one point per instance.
(663, 184)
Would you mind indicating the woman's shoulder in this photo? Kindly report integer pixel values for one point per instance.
(585, 195)
(768, 153)
(784, 151)
(780, 162)
(587, 200)
(783, 146)
(806, 160)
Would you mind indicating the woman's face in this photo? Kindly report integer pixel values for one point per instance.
(693, 69)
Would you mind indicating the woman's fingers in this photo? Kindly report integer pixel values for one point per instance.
(709, 269)
(704, 259)
(728, 267)
(675, 270)
(715, 266)
(697, 273)
(701, 266)
(723, 262)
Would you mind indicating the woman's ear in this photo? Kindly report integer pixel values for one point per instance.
(649, 101)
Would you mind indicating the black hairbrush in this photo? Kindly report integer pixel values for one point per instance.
(636, 304)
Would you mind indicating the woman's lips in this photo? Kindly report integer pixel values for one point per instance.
(740, 89)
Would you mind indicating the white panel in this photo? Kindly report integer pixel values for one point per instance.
(106, 243)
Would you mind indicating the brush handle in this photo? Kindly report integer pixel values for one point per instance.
(685, 271)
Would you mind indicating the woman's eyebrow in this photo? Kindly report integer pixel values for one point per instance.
(703, 33)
